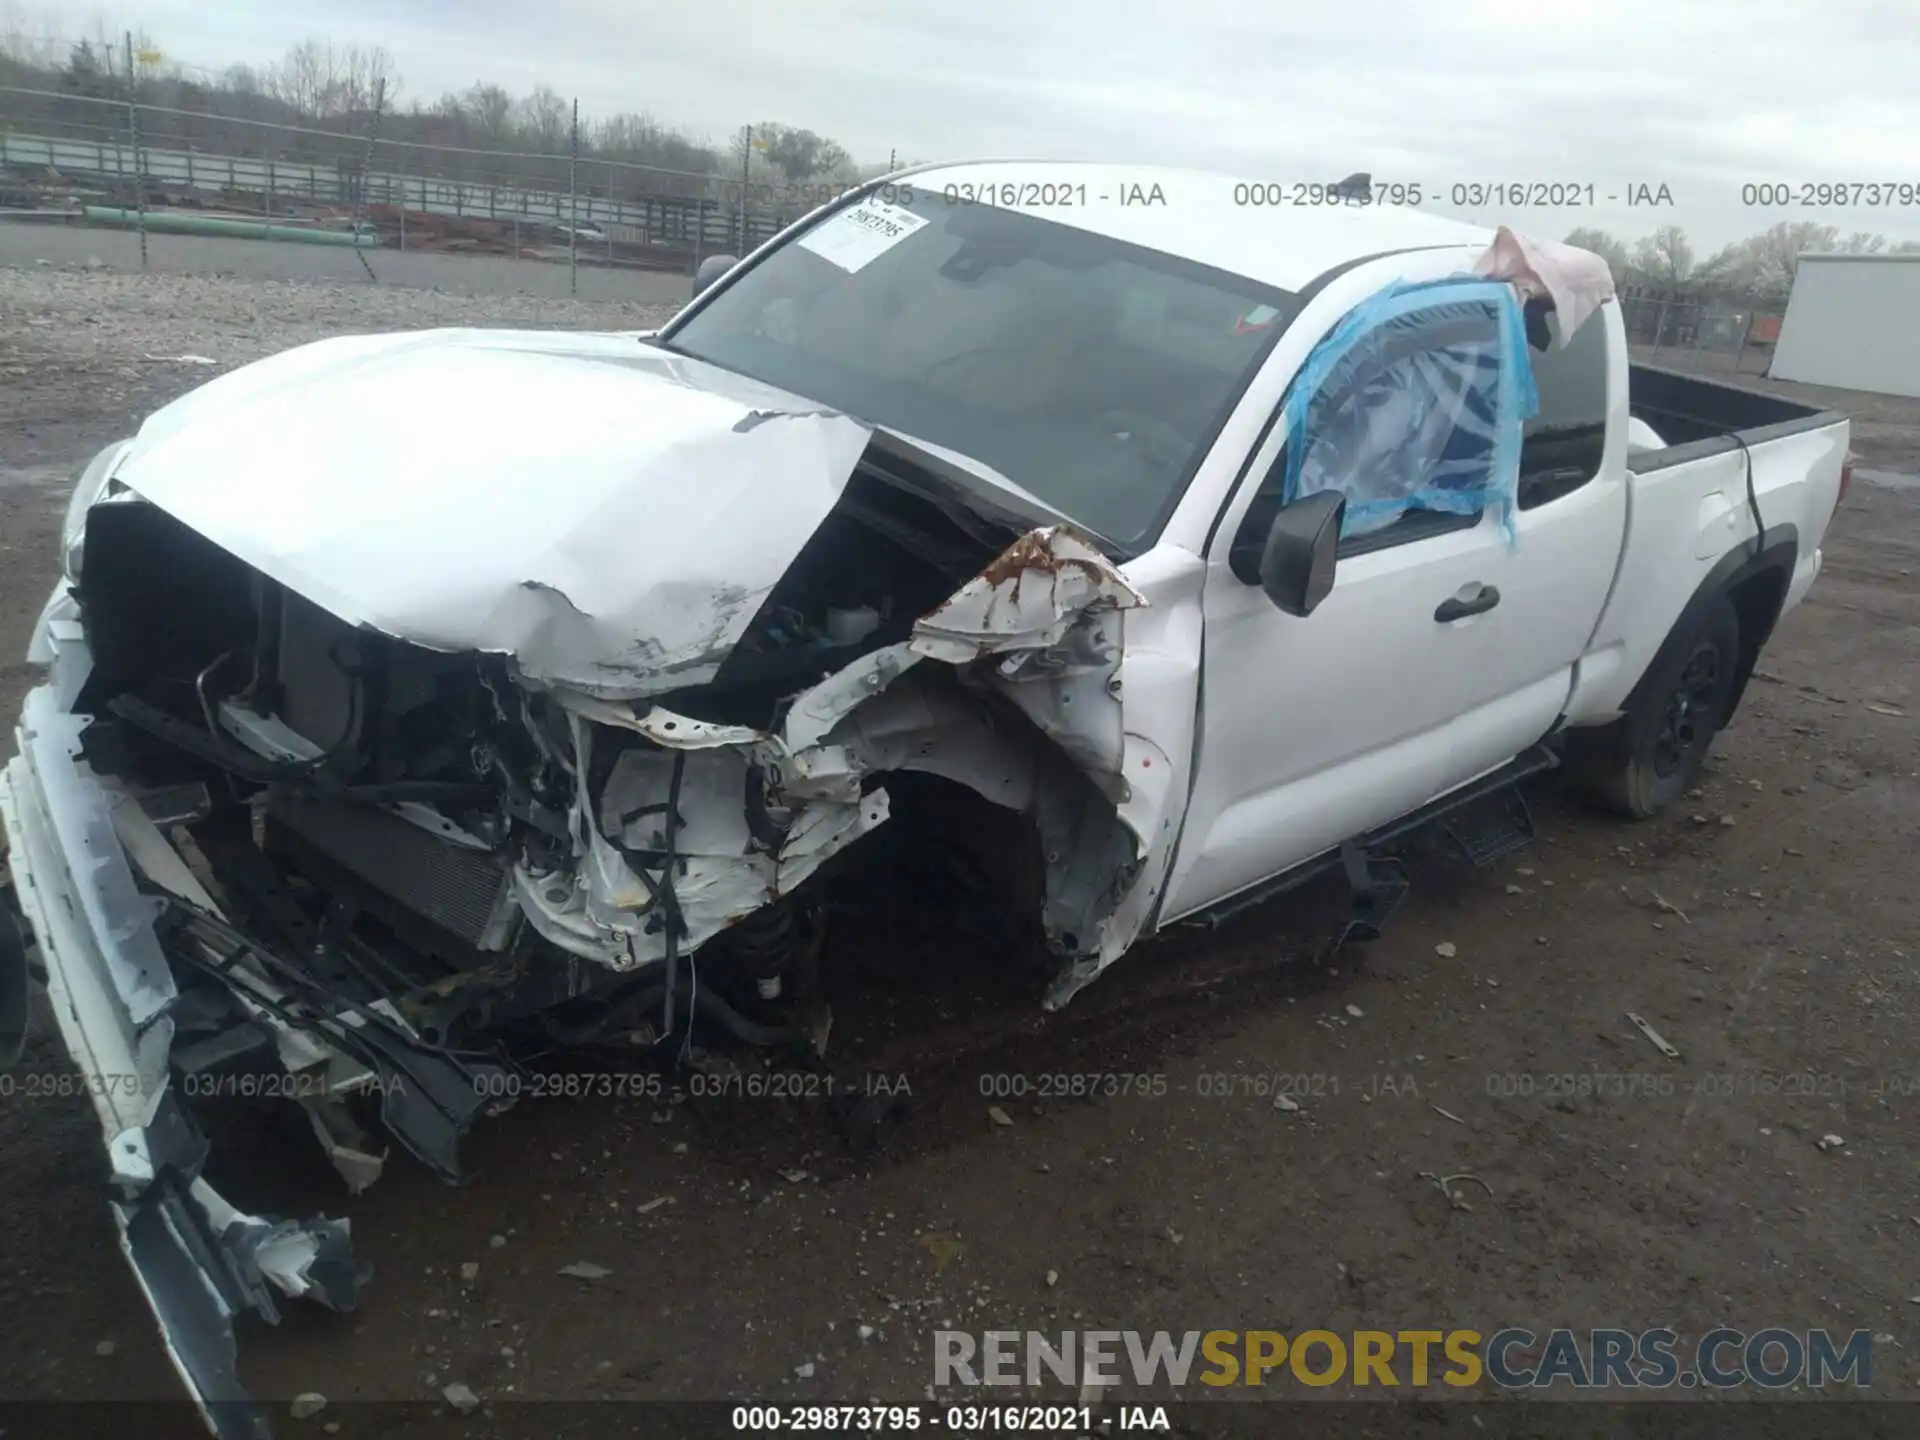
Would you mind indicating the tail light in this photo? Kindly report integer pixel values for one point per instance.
(1846, 478)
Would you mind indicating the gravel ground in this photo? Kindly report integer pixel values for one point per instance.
(1768, 930)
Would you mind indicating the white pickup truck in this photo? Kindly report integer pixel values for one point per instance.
(409, 696)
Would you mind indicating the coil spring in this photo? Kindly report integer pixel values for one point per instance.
(764, 941)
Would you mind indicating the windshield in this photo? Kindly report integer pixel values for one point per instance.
(1091, 372)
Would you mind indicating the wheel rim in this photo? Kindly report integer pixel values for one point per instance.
(1688, 721)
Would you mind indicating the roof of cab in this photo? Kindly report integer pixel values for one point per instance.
(1203, 216)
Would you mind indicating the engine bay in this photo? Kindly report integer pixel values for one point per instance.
(400, 863)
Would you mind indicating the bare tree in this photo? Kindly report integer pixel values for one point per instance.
(1763, 265)
(1665, 257)
(1862, 242)
(1609, 248)
(305, 77)
(490, 109)
(363, 75)
(241, 80)
(544, 119)
(797, 154)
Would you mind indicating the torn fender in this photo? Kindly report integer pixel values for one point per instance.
(1049, 610)
(1042, 626)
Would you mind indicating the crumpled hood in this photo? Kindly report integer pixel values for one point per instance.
(610, 514)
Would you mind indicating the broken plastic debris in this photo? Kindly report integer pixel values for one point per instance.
(585, 1270)
(461, 1397)
(653, 1204)
(1446, 949)
(1830, 1142)
(307, 1405)
(998, 1116)
(1355, 1011)
(1659, 1042)
(1286, 1103)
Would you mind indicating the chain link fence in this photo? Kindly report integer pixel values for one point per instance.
(1700, 334)
(113, 161)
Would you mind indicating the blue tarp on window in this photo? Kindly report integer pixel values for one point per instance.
(1415, 401)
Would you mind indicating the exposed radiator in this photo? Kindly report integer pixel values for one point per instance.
(463, 891)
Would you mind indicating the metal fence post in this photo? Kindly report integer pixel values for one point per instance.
(573, 205)
(366, 170)
(1746, 339)
(1660, 326)
(746, 164)
(269, 185)
(133, 138)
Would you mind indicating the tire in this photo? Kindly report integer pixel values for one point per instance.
(1655, 753)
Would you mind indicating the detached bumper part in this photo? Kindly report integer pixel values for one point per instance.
(199, 1260)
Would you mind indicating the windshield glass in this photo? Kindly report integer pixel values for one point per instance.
(1091, 372)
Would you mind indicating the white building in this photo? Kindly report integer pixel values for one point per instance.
(1853, 321)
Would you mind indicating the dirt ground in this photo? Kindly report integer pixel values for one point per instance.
(1767, 929)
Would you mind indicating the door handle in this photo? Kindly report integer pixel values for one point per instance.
(1454, 608)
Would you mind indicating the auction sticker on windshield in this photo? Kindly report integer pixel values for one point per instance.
(861, 233)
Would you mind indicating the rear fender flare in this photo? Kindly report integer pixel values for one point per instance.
(1776, 554)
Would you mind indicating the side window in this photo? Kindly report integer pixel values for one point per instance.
(1561, 446)
(1404, 424)
(1411, 409)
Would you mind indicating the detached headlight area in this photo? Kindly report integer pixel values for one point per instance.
(88, 490)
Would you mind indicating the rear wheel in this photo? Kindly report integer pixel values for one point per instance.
(1653, 757)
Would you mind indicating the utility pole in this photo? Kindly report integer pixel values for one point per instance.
(573, 204)
(133, 140)
(746, 159)
(366, 175)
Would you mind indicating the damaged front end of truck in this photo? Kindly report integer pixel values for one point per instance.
(373, 758)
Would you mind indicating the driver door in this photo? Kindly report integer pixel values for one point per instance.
(1317, 728)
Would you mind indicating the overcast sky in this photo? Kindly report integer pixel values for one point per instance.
(1699, 95)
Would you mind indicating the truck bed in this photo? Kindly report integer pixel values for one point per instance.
(1745, 484)
(1689, 410)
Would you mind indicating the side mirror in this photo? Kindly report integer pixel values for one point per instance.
(711, 269)
(1296, 567)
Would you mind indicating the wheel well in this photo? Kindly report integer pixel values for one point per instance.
(1756, 601)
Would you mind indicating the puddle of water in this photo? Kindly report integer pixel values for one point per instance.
(1888, 479)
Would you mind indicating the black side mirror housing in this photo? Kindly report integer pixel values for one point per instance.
(1296, 566)
(711, 269)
